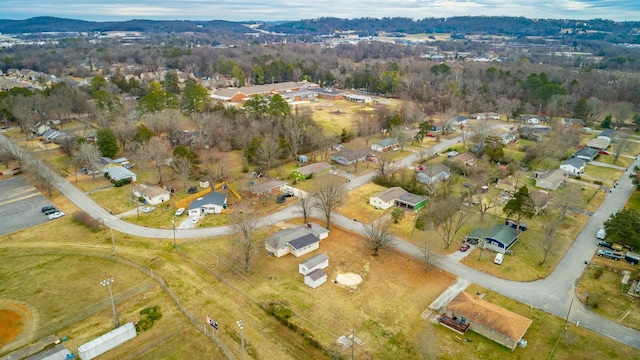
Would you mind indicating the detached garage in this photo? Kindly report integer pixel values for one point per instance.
(152, 194)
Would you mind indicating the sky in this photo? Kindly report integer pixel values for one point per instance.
(274, 10)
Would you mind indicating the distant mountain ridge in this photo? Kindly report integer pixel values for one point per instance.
(54, 24)
(595, 29)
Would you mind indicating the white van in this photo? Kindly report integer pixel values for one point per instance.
(498, 259)
(601, 234)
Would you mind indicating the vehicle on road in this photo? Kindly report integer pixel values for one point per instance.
(465, 247)
(498, 259)
(148, 209)
(56, 215)
(610, 254)
(180, 211)
(195, 219)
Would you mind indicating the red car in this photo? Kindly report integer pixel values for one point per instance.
(465, 247)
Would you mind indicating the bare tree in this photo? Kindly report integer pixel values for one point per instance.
(183, 167)
(620, 145)
(596, 106)
(367, 126)
(621, 111)
(401, 135)
(377, 234)
(549, 240)
(157, 151)
(426, 247)
(269, 151)
(386, 169)
(245, 222)
(447, 218)
(89, 155)
(328, 195)
(124, 130)
(67, 145)
(568, 198)
(305, 206)
(42, 173)
(293, 132)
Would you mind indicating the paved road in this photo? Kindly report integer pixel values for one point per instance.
(553, 294)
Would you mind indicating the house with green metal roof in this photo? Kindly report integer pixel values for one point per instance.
(498, 238)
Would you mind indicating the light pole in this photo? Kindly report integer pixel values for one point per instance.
(241, 326)
(113, 240)
(173, 223)
(107, 282)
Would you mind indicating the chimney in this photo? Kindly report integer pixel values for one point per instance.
(309, 225)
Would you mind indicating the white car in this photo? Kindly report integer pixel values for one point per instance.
(55, 215)
(180, 211)
(148, 209)
(195, 219)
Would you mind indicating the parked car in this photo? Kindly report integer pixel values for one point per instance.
(47, 208)
(601, 235)
(180, 211)
(195, 219)
(55, 215)
(50, 211)
(632, 258)
(498, 259)
(148, 209)
(514, 224)
(609, 254)
(606, 244)
(465, 247)
(17, 168)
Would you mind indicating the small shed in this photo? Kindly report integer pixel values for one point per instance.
(315, 278)
(107, 342)
(320, 261)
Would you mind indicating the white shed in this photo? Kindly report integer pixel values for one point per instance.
(320, 261)
(107, 341)
(315, 278)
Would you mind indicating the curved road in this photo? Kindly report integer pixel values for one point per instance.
(554, 294)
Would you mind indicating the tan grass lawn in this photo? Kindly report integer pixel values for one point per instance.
(607, 292)
(608, 159)
(601, 172)
(331, 310)
(356, 205)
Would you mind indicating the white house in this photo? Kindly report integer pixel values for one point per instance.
(297, 241)
(320, 261)
(315, 278)
(386, 198)
(385, 145)
(212, 203)
(152, 194)
(574, 166)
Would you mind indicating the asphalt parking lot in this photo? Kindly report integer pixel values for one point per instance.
(20, 205)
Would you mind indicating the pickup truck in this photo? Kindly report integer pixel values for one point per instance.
(610, 254)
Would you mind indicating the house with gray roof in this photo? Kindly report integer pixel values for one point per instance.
(385, 145)
(349, 156)
(319, 261)
(305, 172)
(211, 203)
(550, 179)
(386, 198)
(433, 174)
(574, 166)
(599, 143)
(119, 173)
(297, 241)
(498, 238)
(315, 278)
(586, 153)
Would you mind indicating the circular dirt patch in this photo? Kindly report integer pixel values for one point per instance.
(349, 279)
(16, 320)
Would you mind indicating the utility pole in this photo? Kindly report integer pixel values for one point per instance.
(113, 240)
(241, 326)
(353, 343)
